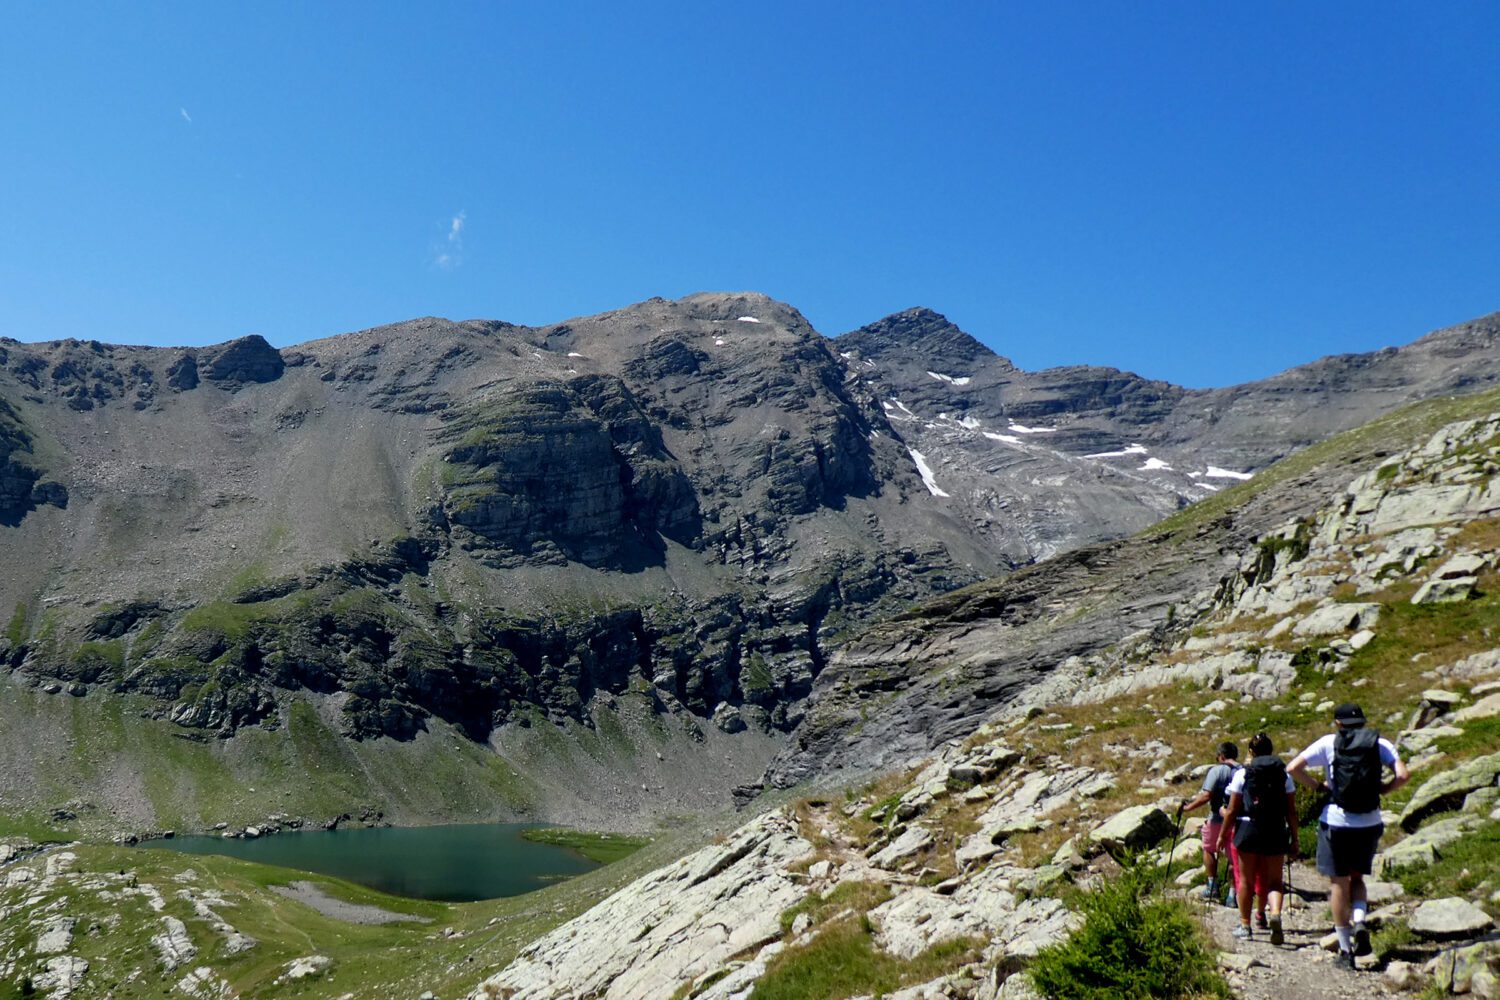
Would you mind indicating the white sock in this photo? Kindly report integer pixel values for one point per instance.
(1346, 938)
(1361, 907)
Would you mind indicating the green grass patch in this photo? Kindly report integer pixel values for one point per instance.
(1481, 736)
(16, 630)
(842, 961)
(1465, 865)
(1391, 940)
(232, 621)
(601, 847)
(1130, 946)
(858, 896)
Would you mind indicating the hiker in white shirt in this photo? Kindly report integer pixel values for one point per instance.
(1353, 760)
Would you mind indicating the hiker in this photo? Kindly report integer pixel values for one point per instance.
(1215, 792)
(1262, 796)
(1353, 759)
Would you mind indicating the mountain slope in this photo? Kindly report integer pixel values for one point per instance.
(602, 548)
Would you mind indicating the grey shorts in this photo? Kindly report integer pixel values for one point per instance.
(1347, 850)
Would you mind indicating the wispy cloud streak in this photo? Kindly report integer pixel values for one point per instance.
(450, 253)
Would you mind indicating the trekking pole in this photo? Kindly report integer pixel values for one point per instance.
(1176, 835)
(1286, 906)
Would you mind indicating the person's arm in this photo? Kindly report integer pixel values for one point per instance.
(1189, 805)
(1231, 809)
(1297, 771)
(1401, 778)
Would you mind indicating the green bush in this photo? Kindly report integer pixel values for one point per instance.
(1130, 947)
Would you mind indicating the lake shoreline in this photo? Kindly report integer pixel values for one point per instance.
(311, 894)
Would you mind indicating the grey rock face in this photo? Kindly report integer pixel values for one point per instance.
(248, 359)
(697, 500)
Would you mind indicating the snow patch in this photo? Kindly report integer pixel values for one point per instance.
(951, 379)
(1131, 449)
(1214, 472)
(1209, 486)
(718, 341)
(926, 472)
(1154, 464)
(1023, 429)
(747, 319)
(846, 355)
(1006, 438)
(889, 409)
(574, 354)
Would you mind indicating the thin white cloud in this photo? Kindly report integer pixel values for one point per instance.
(185, 116)
(450, 252)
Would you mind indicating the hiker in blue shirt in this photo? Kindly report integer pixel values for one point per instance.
(1353, 760)
(1215, 792)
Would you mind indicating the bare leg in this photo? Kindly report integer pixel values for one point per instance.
(1247, 886)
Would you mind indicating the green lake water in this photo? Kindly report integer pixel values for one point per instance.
(450, 863)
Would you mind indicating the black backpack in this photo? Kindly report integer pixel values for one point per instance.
(1218, 795)
(1265, 792)
(1355, 777)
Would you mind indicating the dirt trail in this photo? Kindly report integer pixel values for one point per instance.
(1300, 969)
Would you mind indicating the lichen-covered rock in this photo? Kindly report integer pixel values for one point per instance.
(670, 927)
(1132, 829)
(1447, 790)
(1440, 919)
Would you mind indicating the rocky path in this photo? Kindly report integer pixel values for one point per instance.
(1298, 970)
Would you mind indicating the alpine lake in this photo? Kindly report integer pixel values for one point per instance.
(455, 864)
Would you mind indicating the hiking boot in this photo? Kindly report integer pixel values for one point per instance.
(1210, 891)
(1345, 960)
(1242, 933)
(1260, 921)
(1277, 937)
(1232, 901)
(1361, 939)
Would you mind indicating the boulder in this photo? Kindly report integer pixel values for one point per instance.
(1485, 708)
(1446, 791)
(1444, 919)
(1417, 740)
(1403, 976)
(1132, 829)
(1467, 564)
(1426, 845)
(1445, 591)
(914, 840)
(1332, 619)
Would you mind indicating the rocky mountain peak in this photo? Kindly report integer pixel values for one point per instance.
(920, 331)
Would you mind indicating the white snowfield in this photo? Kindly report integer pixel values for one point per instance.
(926, 472)
(747, 319)
(1005, 438)
(1153, 464)
(574, 354)
(952, 379)
(1023, 429)
(1130, 449)
(1214, 472)
(718, 341)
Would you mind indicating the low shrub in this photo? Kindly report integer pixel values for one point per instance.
(1130, 946)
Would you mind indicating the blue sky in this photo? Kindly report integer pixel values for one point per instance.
(1199, 192)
